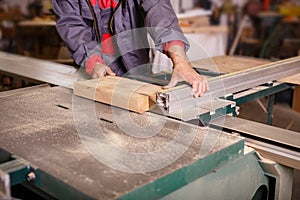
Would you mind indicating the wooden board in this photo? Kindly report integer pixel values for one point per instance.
(295, 79)
(205, 29)
(121, 92)
(199, 24)
(231, 64)
(198, 21)
(296, 99)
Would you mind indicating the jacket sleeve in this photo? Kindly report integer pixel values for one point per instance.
(72, 26)
(162, 20)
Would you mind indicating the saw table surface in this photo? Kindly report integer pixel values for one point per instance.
(37, 125)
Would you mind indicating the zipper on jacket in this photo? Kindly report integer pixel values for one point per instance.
(113, 15)
(95, 21)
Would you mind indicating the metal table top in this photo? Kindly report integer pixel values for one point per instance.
(39, 125)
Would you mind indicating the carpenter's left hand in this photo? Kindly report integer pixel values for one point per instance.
(183, 71)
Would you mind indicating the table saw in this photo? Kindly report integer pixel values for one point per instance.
(62, 146)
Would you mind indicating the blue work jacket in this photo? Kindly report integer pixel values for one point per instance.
(77, 24)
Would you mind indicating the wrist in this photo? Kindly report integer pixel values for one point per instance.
(92, 62)
(179, 60)
(177, 55)
(168, 45)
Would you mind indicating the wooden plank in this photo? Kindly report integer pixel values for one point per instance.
(130, 85)
(295, 79)
(121, 92)
(38, 22)
(231, 64)
(194, 21)
(123, 99)
(296, 99)
(205, 29)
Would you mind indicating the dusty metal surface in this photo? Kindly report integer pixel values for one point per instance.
(38, 126)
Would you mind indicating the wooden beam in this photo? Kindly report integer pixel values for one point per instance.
(294, 79)
(232, 64)
(205, 29)
(121, 92)
(229, 64)
(296, 99)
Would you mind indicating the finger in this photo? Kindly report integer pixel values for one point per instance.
(206, 86)
(194, 90)
(199, 89)
(110, 72)
(202, 89)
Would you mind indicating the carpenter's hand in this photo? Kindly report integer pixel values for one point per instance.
(102, 70)
(183, 71)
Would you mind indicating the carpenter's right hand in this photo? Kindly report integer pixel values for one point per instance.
(102, 70)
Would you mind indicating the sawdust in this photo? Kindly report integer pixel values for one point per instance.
(45, 135)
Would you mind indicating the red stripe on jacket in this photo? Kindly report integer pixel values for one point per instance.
(107, 4)
(169, 44)
(93, 2)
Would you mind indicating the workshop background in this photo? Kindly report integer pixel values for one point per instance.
(260, 29)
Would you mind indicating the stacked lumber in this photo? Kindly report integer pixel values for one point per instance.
(120, 92)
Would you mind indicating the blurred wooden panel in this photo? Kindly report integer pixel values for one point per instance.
(231, 64)
(296, 100)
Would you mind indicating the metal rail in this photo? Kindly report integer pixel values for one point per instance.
(39, 70)
(176, 99)
(274, 143)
